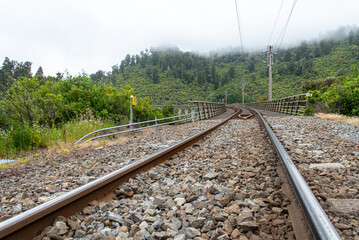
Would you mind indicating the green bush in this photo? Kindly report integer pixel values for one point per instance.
(21, 137)
(342, 96)
(35, 116)
(308, 111)
(315, 96)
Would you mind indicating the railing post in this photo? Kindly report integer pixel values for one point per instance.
(212, 110)
(278, 105)
(293, 105)
(308, 95)
(186, 112)
(199, 112)
(204, 110)
(207, 112)
(297, 105)
(288, 104)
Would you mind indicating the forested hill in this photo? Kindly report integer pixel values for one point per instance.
(172, 75)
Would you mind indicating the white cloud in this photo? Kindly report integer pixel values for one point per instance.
(93, 35)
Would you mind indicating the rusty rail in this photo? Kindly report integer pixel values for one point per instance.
(29, 224)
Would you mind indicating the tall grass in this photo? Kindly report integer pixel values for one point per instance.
(338, 117)
(25, 138)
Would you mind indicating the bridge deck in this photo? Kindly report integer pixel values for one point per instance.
(224, 115)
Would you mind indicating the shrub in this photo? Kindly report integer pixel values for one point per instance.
(308, 111)
(21, 137)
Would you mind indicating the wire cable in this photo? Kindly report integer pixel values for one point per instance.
(239, 25)
(282, 34)
(275, 23)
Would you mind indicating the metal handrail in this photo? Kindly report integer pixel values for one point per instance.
(210, 110)
(134, 129)
(318, 221)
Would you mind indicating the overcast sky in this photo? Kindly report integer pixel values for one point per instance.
(91, 35)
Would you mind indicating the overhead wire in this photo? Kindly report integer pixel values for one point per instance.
(275, 23)
(239, 25)
(282, 34)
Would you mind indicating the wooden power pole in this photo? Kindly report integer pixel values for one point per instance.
(270, 55)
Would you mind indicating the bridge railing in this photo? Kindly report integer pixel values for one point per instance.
(207, 110)
(202, 109)
(293, 105)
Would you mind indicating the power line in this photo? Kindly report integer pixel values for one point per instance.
(239, 24)
(282, 34)
(275, 24)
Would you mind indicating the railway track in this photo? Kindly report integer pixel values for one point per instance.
(191, 195)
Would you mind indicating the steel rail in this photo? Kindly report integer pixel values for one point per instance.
(318, 221)
(29, 224)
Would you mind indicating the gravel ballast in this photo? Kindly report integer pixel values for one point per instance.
(46, 176)
(224, 187)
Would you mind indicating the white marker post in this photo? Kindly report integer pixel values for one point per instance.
(131, 113)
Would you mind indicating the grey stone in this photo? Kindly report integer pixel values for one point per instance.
(191, 232)
(115, 217)
(177, 222)
(344, 206)
(159, 201)
(79, 233)
(150, 212)
(180, 237)
(245, 216)
(61, 228)
(180, 201)
(211, 175)
(157, 224)
(73, 224)
(149, 218)
(172, 226)
(198, 223)
(324, 166)
(248, 226)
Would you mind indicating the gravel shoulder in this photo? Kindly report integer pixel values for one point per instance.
(327, 155)
(47, 176)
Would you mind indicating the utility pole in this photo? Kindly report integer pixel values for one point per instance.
(226, 96)
(243, 86)
(269, 63)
